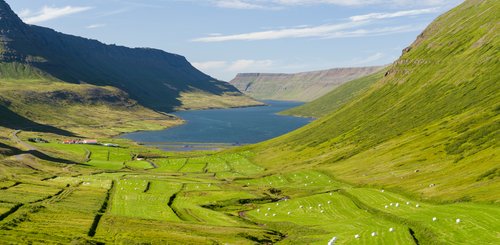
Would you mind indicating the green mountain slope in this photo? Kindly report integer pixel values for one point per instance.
(336, 98)
(430, 127)
(154, 78)
(304, 86)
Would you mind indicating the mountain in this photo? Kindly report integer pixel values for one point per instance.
(305, 86)
(429, 127)
(336, 98)
(156, 79)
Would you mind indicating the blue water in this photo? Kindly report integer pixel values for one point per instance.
(232, 126)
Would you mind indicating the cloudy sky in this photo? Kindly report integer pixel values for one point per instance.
(225, 37)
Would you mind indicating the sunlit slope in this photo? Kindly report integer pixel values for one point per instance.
(429, 127)
(336, 98)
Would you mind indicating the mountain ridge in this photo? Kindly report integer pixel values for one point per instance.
(155, 78)
(302, 86)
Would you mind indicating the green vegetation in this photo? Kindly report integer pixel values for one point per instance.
(216, 197)
(337, 98)
(410, 159)
(429, 127)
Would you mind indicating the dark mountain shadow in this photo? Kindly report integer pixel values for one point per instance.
(9, 119)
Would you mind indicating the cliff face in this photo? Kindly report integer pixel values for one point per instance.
(154, 78)
(305, 86)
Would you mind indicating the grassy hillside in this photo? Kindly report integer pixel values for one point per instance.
(304, 86)
(32, 100)
(430, 127)
(336, 98)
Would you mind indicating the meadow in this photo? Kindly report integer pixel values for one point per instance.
(110, 196)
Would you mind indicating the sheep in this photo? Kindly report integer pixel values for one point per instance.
(407, 203)
(268, 209)
(390, 203)
(417, 205)
(277, 204)
(319, 205)
(289, 213)
(356, 236)
(331, 194)
(258, 210)
(457, 221)
(266, 214)
(391, 229)
(301, 206)
(332, 241)
(374, 233)
(329, 202)
(382, 190)
(274, 215)
(386, 206)
(322, 211)
(434, 218)
(397, 205)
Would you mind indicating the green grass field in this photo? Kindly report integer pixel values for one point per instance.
(219, 197)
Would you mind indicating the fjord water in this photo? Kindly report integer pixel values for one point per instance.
(230, 126)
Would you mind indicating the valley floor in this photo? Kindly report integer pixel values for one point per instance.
(134, 195)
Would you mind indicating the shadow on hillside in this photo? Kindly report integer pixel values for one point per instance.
(11, 120)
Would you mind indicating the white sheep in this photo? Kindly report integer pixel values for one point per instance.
(407, 203)
(268, 209)
(397, 205)
(417, 206)
(329, 202)
(356, 236)
(434, 218)
(266, 214)
(274, 215)
(386, 206)
(258, 210)
(301, 206)
(374, 233)
(391, 229)
(332, 241)
(289, 213)
(458, 221)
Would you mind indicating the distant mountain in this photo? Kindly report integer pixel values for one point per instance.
(429, 127)
(305, 86)
(154, 78)
(336, 98)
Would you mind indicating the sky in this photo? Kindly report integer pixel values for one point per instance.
(226, 37)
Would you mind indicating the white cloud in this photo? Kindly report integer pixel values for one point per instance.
(95, 26)
(209, 65)
(374, 32)
(378, 16)
(250, 65)
(345, 29)
(370, 59)
(227, 69)
(237, 4)
(317, 31)
(49, 13)
(276, 4)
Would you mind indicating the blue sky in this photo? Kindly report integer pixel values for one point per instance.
(226, 37)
